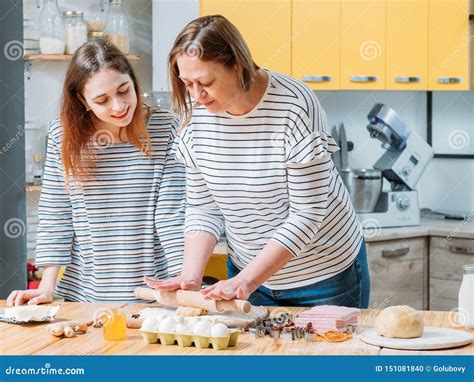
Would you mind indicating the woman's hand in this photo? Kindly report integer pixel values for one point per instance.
(32, 296)
(234, 288)
(173, 283)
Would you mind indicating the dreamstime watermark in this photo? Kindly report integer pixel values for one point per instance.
(44, 370)
(103, 317)
(102, 139)
(282, 48)
(14, 228)
(458, 229)
(12, 141)
(371, 227)
(370, 50)
(459, 139)
(459, 317)
(463, 46)
(13, 50)
(193, 49)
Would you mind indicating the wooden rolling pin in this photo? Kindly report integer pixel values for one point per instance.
(192, 299)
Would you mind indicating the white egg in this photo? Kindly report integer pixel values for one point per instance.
(183, 329)
(150, 324)
(193, 320)
(179, 320)
(202, 328)
(219, 330)
(168, 325)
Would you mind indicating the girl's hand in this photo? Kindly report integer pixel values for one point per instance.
(234, 288)
(32, 296)
(173, 283)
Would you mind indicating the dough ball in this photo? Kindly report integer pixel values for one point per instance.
(400, 321)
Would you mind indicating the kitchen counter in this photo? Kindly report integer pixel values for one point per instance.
(32, 339)
(433, 225)
(430, 226)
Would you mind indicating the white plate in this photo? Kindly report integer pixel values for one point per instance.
(47, 314)
(432, 338)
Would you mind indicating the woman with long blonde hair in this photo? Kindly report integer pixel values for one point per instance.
(112, 202)
(258, 165)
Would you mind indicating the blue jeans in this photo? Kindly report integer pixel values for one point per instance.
(350, 288)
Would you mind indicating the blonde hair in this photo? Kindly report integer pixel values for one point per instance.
(209, 38)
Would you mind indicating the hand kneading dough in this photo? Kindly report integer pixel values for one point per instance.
(399, 322)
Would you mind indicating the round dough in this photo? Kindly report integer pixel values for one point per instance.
(400, 321)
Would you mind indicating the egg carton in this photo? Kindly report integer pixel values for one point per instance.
(187, 340)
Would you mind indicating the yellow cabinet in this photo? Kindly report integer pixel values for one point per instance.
(407, 45)
(450, 45)
(316, 43)
(363, 44)
(265, 26)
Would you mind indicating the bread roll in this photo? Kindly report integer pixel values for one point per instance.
(400, 321)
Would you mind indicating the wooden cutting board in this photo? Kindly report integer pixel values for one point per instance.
(432, 338)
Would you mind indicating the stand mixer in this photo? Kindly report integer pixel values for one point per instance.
(407, 156)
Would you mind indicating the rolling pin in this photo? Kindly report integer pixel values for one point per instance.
(192, 299)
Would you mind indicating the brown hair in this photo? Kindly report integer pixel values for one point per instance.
(77, 149)
(209, 38)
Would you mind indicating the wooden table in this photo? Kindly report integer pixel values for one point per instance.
(33, 339)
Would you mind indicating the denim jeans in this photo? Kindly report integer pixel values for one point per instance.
(350, 288)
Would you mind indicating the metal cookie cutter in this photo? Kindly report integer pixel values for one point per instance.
(288, 334)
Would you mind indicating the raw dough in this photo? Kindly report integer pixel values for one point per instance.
(186, 311)
(399, 321)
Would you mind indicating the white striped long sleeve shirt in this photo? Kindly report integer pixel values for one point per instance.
(268, 175)
(123, 224)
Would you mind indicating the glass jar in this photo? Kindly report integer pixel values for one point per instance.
(466, 297)
(94, 35)
(96, 20)
(115, 326)
(51, 31)
(75, 30)
(116, 30)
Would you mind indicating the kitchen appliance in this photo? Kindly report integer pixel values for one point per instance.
(364, 185)
(340, 157)
(406, 157)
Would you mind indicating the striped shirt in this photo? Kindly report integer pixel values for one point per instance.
(268, 175)
(125, 223)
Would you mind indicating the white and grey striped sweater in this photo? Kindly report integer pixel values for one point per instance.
(124, 224)
(268, 175)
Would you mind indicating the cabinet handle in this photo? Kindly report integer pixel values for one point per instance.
(399, 252)
(462, 250)
(317, 78)
(471, 17)
(407, 80)
(364, 79)
(449, 80)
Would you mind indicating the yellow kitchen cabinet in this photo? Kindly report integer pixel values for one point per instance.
(407, 45)
(265, 26)
(363, 47)
(216, 268)
(449, 45)
(316, 43)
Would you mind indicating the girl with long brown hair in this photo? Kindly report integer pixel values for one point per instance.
(112, 203)
(258, 165)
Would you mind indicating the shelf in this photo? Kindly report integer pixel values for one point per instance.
(65, 57)
(33, 188)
